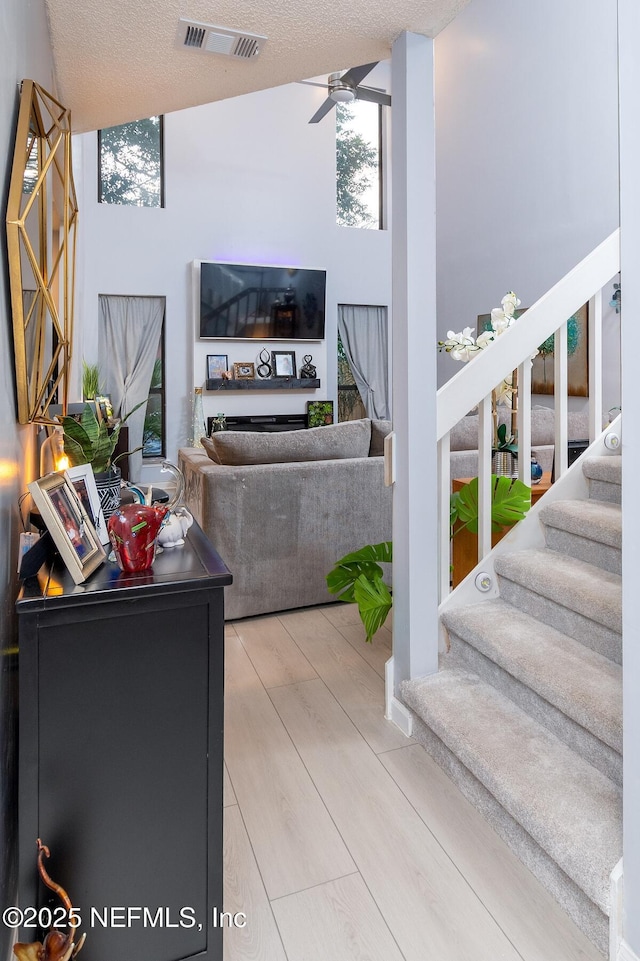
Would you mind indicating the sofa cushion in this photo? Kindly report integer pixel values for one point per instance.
(333, 442)
(379, 430)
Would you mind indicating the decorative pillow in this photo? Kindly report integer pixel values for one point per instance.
(235, 448)
(379, 430)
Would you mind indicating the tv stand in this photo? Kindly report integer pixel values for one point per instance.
(263, 422)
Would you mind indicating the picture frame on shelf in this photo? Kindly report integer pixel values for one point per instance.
(69, 525)
(217, 365)
(104, 408)
(83, 482)
(244, 371)
(319, 413)
(283, 363)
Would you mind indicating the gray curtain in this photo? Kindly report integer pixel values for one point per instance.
(363, 331)
(128, 339)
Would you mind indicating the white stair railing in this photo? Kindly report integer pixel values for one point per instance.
(472, 386)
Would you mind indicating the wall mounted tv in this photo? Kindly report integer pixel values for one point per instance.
(262, 303)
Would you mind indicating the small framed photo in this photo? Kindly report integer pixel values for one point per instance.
(244, 371)
(104, 408)
(69, 525)
(319, 413)
(217, 365)
(283, 363)
(83, 482)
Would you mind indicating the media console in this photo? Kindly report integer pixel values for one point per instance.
(263, 422)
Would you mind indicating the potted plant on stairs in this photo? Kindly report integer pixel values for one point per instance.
(90, 441)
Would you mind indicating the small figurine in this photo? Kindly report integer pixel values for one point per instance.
(173, 530)
(308, 371)
(264, 369)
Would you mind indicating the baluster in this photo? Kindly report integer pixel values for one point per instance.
(560, 396)
(444, 524)
(485, 442)
(524, 422)
(595, 366)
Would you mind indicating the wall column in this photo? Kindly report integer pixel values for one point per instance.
(629, 78)
(415, 599)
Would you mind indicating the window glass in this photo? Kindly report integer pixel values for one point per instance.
(358, 164)
(130, 164)
(350, 406)
(153, 438)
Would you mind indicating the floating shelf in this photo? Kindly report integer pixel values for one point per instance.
(271, 383)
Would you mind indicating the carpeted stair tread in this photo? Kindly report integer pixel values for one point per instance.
(603, 468)
(584, 685)
(570, 809)
(591, 519)
(590, 591)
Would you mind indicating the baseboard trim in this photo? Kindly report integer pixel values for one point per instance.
(395, 710)
(616, 895)
(625, 953)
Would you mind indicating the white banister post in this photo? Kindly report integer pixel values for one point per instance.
(485, 437)
(561, 395)
(524, 422)
(595, 365)
(414, 333)
(629, 93)
(444, 530)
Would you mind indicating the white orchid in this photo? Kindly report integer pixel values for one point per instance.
(485, 338)
(509, 303)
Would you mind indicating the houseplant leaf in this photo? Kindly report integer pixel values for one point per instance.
(510, 501)
(374, 601)
(364, 561)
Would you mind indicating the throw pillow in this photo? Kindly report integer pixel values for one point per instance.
(333, 442)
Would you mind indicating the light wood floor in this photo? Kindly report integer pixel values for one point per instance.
(344, 841)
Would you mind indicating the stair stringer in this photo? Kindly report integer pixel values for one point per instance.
(528, 533)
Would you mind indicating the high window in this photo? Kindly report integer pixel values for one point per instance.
(359, 164)
(130, 164)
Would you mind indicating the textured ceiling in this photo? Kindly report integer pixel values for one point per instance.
(117, 61)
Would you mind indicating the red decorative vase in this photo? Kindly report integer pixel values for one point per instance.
(133, 531)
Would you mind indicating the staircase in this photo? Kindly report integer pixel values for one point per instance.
(525, 713)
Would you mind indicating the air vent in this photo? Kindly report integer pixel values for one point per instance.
(221, 40)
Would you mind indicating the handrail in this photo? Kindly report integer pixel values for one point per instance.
(477, 379)
(472, 386)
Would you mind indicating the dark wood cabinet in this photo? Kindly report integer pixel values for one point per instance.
(120, 752)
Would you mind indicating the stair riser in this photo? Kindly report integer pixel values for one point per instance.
(575, 902)
(599, 754)
(600, 555)
(600, 490)
(588, 632)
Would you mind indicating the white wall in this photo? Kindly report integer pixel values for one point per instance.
(24, 53)
(527, 149)
(248, 180)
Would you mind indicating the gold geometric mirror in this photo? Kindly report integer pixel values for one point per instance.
(42, 215)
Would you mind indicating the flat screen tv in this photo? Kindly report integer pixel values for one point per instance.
(262, 303)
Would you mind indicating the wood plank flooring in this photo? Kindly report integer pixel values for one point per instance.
(344, 841)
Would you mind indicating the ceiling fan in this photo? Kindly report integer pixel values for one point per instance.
(345, 88)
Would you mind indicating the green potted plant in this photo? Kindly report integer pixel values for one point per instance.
(91, 441)
(90, 380)
(358, 578)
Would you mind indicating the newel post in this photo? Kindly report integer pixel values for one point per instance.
(415, 502)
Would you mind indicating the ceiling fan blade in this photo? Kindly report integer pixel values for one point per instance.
(357, 74)
(312, 83)
(328, 105)
(374, 96)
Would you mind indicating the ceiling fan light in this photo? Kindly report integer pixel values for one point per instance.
(342, 94)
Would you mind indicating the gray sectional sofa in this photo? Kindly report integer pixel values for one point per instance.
(464, 438)
(281, 508)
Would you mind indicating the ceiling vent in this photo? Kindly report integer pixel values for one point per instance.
(209, 39)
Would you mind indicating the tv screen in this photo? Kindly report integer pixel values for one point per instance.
(262, 303)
